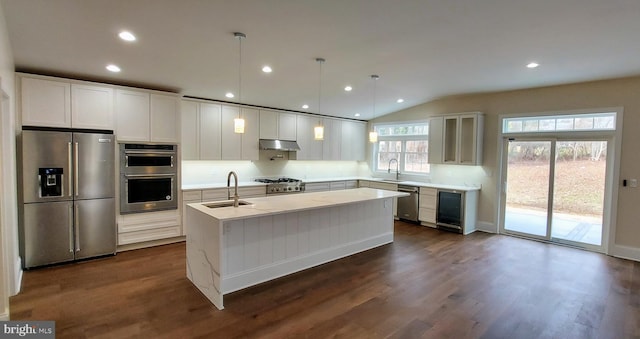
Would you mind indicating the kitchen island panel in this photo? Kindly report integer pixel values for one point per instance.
(259, 249)
(204, 252)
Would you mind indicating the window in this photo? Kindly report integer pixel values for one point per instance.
(408, 144)
(561, 123)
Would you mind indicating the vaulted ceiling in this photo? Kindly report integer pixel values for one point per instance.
(421, 49)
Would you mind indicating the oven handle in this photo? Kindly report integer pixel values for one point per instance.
(149, 176)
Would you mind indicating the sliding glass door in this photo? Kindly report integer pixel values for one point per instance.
(554, 190)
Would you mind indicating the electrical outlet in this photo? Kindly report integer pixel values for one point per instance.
(633, 183)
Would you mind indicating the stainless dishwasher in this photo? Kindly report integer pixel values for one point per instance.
(408, 206)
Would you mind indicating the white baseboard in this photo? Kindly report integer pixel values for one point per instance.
(626, 252)
(17, 276)
(4, 316)
(486, 226)
(151, 243)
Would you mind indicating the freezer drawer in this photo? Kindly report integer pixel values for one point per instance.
(95, 228)
(48, 233)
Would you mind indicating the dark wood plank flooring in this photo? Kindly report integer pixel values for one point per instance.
(428, 284)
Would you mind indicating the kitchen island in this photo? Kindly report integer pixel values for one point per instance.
(229, 248)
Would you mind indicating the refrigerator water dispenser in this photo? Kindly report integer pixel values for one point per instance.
(50, 182)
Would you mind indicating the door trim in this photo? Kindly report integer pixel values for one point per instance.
(612, 178)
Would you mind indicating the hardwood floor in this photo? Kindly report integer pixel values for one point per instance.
(428, 283)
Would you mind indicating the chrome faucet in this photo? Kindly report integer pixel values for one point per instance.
(397, 167)
(235, 196)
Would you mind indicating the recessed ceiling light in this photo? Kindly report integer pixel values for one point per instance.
(533, 65)
(113, 68)
(305, 106)
(229, 95)
(400, 100)
(348, 88)
(267, 69)
(127, 36)
(356, 115)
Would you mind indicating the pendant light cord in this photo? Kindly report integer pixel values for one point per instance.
(240, 36)
(375, 78)
(320, 61)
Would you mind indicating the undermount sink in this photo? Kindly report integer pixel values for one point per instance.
(392, 180)
(226, 203)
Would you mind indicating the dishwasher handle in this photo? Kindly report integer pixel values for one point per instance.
(409, 189)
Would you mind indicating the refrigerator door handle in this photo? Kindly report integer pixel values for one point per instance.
(77, 228)
(75, 169)
(71, 229)
(70, 156)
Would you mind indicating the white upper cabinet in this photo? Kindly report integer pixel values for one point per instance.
(92, 107)
(287, 123)
(353, 140)
(210, 127)
(310, 149)
(132, 115)
(141, 116)
(462, 139)
(190, 130)
(277, 125)
(59, 103)
(268, 124)
(231, 141)
(164, 118)
(208, 132)
(332, 144)
(45, 103)
(251, 136)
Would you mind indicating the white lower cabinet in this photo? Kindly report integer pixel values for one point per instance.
(427, 205)
(330, 185)
(317, 187)
(141, 227)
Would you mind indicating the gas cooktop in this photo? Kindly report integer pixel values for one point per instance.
(282, 185)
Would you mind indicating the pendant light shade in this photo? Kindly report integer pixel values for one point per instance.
(318, 131)
(373, 135)
(238, 123)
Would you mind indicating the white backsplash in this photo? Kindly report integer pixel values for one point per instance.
(209, 172)
(458, 175)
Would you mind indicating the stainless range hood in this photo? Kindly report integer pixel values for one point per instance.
(279, 145)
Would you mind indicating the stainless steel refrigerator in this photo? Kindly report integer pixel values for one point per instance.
(67, 196)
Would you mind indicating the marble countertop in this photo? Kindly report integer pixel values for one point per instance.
(195, 187)
(294, 202)
(411, 183)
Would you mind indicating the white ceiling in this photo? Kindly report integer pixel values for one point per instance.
(422, 49)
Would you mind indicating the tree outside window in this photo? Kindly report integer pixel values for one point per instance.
(406, 143)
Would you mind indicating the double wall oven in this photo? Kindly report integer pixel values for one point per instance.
(148, 177)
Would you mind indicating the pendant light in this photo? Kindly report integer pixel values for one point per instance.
(238, 123)
(373, 135)
(318, 131)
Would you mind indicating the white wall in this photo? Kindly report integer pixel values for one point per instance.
(208, 172)
(8, 219)
(597, 94)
